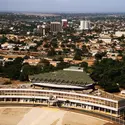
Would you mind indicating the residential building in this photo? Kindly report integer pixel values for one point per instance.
(55, 27)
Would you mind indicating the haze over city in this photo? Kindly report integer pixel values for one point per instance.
(62, 62)
(78, 6)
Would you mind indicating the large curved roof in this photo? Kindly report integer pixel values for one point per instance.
(56, 86)
(63, 77)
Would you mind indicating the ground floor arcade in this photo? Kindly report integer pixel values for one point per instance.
(67, 104)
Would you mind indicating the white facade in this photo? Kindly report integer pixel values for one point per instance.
(84, 25)
(106, 40)
(119, 33)
(41, 29)
(44, 30)
(104, 103)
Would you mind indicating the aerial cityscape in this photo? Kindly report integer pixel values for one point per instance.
(62, 62)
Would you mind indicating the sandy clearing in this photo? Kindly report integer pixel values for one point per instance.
(80, 119)
(45, 116)
(42, 116)
(11, 116)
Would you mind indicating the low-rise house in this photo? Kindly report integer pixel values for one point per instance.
(54, 63)
(106, 40)
(32, 62)
(32, 44)
(94, 51)
(9, 59)
(90, 61)
(7, 46)
(68, 59)
(119, 33)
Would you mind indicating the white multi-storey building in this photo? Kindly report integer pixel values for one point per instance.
(101, 101)
(84, 25)
(41, 29)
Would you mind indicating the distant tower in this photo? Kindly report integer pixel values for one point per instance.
(44, 30)
(64, 23)
(55, 27)
(84, 25)
(41, 29)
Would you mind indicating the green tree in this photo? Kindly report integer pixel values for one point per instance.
(3, 39)
(25, 71)
(109, 74)
(12, 69)
(84, 49)
(77, 56)
(16, 49)
(51, 52)
(98, 56)
(54, 43)
(84, 65)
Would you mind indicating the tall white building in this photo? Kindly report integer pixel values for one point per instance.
(84, 25)
(44, 30)
(41, 29)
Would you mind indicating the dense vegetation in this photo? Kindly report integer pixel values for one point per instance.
(16, 70)
(110, 74)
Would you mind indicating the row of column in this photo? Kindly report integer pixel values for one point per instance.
(63, 104)
(88, 107)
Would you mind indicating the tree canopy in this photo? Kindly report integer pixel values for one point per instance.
(110, 74)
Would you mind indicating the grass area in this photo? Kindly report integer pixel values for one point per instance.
(61, 76)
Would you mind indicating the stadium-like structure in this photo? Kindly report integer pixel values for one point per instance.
(72, 78)
(103, 102)
(64, 95)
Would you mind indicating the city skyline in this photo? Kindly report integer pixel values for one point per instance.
(79, 6)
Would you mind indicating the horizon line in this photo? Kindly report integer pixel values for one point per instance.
(65, 12)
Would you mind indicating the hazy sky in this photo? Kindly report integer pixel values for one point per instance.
(63, 5)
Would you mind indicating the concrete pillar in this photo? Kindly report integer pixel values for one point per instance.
(4, 99)
(21, 100)
(117, 113)
(111, 112)
(99, 109)
(86, 107)
(105, 110)
(90, 108)
(81, 106)
(75, 105)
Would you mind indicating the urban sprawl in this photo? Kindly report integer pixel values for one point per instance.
(71, 60)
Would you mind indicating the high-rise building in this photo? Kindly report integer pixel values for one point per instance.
(44, 30)
(84, 25)
(41, 29)
(55, 27)
(64, 23)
